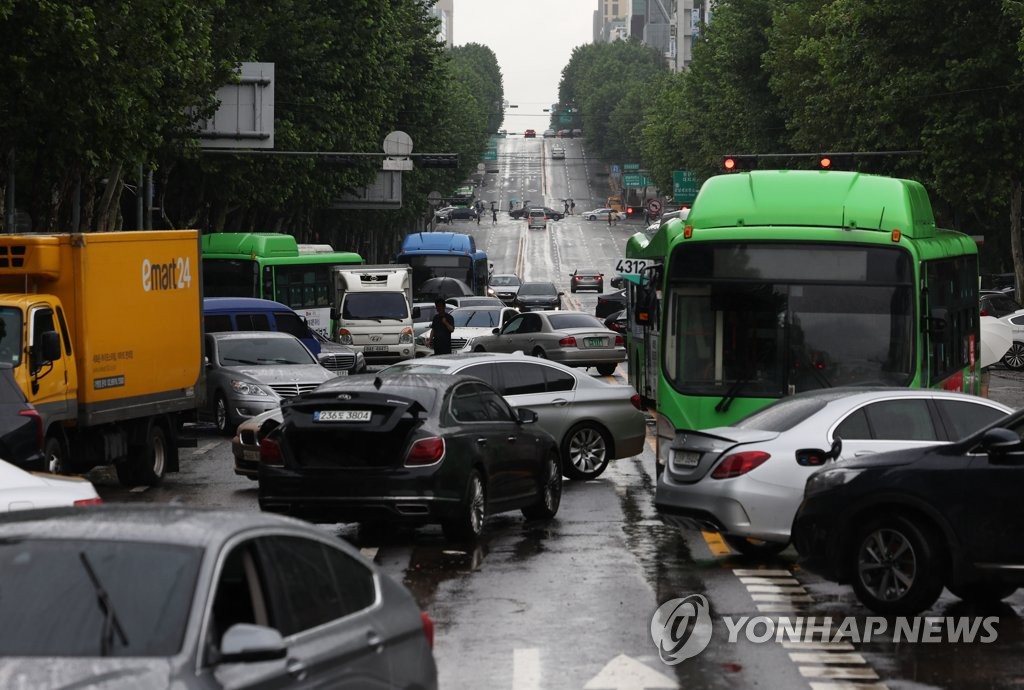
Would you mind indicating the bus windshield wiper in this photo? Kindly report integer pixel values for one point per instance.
(732, 392)
(111, 623)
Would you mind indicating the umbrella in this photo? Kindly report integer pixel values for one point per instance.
(996, 339)
(445, 287)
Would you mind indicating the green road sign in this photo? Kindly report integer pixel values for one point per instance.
(490, 155)
(684, 186)
(631, 166)
(635, 180)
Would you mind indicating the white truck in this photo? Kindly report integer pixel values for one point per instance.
(372, 311)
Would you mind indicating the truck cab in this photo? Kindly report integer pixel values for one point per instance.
(372, 311)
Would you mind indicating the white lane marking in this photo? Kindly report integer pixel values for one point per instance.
(369, 552)
(204, 449)
(781, 608)
(777, 589)
(742, 572)
(826, 658)
(777, 598)
(626, 673)
(838, 672)
(138, 489)
(769, 581)
(526, 669)
(843, 685)
(834, 646)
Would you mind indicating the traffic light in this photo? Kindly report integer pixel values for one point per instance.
(738, 163)
(835, 161)
(436, 160)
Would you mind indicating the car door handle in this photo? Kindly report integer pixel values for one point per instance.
(511, 439)
(482, 441)
(296, 669)
(860, 453)
(373, 639)
(559, 402)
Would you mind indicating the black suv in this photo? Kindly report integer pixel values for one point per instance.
(900, 526)
(21, 428)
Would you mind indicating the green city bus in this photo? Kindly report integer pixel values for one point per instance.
(273, 266)
(782, 281)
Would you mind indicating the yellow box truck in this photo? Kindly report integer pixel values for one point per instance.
(104, 333)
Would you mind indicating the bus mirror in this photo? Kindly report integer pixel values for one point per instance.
(334, 314)
(645, 310)
(937, 324)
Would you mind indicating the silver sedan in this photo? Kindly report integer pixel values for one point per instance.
(570, 337)
(593, 421)
(746, 481)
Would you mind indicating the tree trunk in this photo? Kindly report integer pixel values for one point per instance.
(1016, 245)
(103, 219)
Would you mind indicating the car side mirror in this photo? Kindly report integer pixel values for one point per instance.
(248, 643)
(526, 416)
(1003, 446)
(561, 294)
(415, 312)
(616, 282)
(495, 331)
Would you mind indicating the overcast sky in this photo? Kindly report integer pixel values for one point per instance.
(533, 40)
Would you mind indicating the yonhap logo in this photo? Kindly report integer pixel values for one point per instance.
(681, 628)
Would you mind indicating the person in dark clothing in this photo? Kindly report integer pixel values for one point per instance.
(441, 327)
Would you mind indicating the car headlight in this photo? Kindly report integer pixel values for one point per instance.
(830, 478)
(249, 388)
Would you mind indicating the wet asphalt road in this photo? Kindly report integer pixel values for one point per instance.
(568, 604)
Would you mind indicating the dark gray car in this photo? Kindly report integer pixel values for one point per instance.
(164, 596)
(534, 296)
(250, 372)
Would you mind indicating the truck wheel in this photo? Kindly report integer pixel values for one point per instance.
(57, 461)
(148, 462)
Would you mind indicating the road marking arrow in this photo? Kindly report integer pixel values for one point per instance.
(626, 673)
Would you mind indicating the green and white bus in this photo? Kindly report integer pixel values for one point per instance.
(784, 281)
(273, 266)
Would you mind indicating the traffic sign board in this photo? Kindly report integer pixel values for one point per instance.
(490, 155)
(654, 206)
(616, 170)
(684, 186)
(631, 166)
(635, 180)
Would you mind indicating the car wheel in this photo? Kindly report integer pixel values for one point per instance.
(585, 451)
(982, 592)
(754, 548)
(56, 454)
(897, 567)
(222, 415)
(550, 492)
(591, 217)
(1014, 357)
(600, 287)
(148, 462)
(573, 289)
(479, 348)
(606, 369)
(539, 353)
(469, 524)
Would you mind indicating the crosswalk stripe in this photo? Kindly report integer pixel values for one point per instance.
(838, 672)
(777, 589)
(826, 658)
(769, 581)
(745, 572)
(776, 598)
(835, 646)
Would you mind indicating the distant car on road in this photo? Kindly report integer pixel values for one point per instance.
(415, 449)
(570, 337)
(463, 213)
(549, 133)
(601, 214)
(557, 153)
(536, 218)
(189, 598)
(746, 481)
(535, 295)
(505, 286)
(586, 279)
(529, 134)
(552, 214)
(592, 420)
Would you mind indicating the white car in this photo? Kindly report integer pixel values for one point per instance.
(601, 214)
(746, 481)
(471, 322)
(21, 490)
(1014, 357)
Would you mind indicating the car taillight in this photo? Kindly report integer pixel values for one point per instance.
(34, 414)
(425, 451)
(635, 400)
(567, 342)
(984, 312)
(739, 464)
(619, 341)
(270, 452)
(88, 502)
(577, 277)
(428, 627)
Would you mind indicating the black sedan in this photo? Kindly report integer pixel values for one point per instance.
(900, 526)
(159, 596)
(538, 296)
(413, 448)
(21, 427)
(610, 303)
(549, 213)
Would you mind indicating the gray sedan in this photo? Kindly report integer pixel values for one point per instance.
(250, 372)
(746, 481)
(160, 596)
(570, 337)
(593, 421)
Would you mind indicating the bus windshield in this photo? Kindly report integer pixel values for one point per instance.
(425, 267)
(761, 320)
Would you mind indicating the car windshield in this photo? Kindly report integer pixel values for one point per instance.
(150, 588)
(538, 289)
(426, 314)
(562, 321)
(390, 306)
(255, 350)
(505, 280)
(476, 318)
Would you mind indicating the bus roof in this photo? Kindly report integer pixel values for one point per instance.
(438, 242)
(270, 245)
(812, 198)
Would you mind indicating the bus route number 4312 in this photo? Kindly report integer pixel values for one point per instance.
(632, 266)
